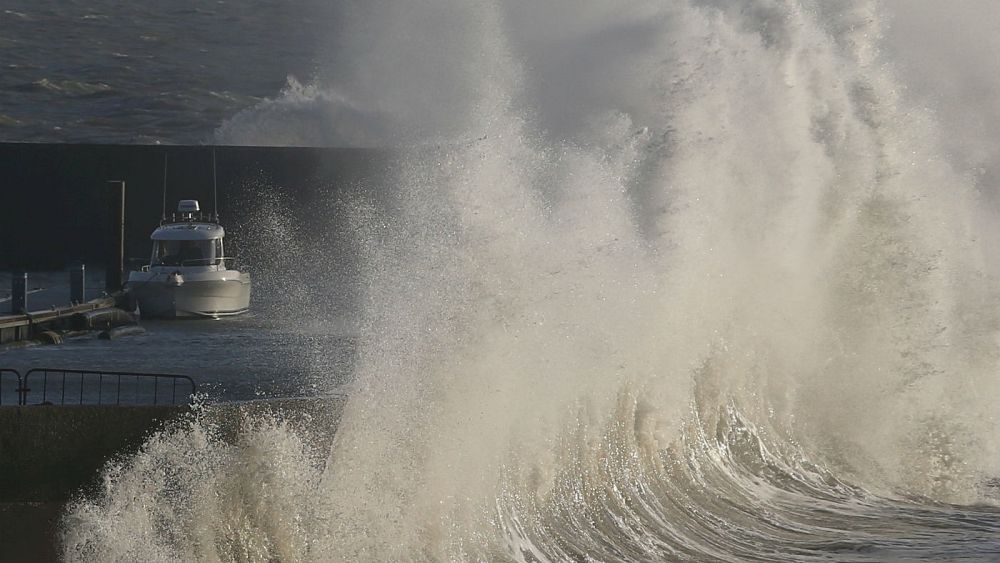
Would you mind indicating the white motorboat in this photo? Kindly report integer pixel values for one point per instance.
(189, 274)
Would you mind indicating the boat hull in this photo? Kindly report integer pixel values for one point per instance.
(158, 298)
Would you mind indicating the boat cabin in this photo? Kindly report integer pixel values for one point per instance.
(191, 241)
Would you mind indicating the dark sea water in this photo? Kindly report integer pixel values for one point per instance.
(648, 281)
(233, 359)
(147, 72)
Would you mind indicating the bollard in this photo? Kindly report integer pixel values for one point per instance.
(77, 286)
(19, 292)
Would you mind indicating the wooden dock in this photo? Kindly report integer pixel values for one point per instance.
(27, 326)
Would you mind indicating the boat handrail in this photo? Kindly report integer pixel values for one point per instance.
(195, 217)
(202, 262)
(217, 261)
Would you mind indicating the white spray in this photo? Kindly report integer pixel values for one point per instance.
(632, 245)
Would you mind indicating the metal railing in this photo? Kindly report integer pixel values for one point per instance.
(93, 387)
(5, 384)
(217, 261)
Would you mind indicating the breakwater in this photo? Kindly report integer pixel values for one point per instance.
(55, 197)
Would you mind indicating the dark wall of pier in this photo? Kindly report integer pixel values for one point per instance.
(54, 198)
(49, 454)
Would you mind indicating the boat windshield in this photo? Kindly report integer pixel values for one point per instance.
(187, 252)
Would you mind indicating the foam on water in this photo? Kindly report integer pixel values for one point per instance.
(681, 281)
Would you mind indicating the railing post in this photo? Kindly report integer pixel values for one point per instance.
(77, 283)
(22, 390)
(19, 292)
(17, 390)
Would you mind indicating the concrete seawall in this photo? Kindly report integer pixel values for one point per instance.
(48, 454)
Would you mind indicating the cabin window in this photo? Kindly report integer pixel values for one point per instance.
(186, 252)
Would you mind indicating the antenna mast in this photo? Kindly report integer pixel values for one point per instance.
(215, 189)
(163, 214)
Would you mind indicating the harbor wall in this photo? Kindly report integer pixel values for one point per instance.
(54, 198)
(49, 454)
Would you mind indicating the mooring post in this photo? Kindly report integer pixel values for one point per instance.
(19, 292)
(115, 260)
(77, 285)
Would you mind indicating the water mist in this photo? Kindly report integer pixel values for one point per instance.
(654, 281)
